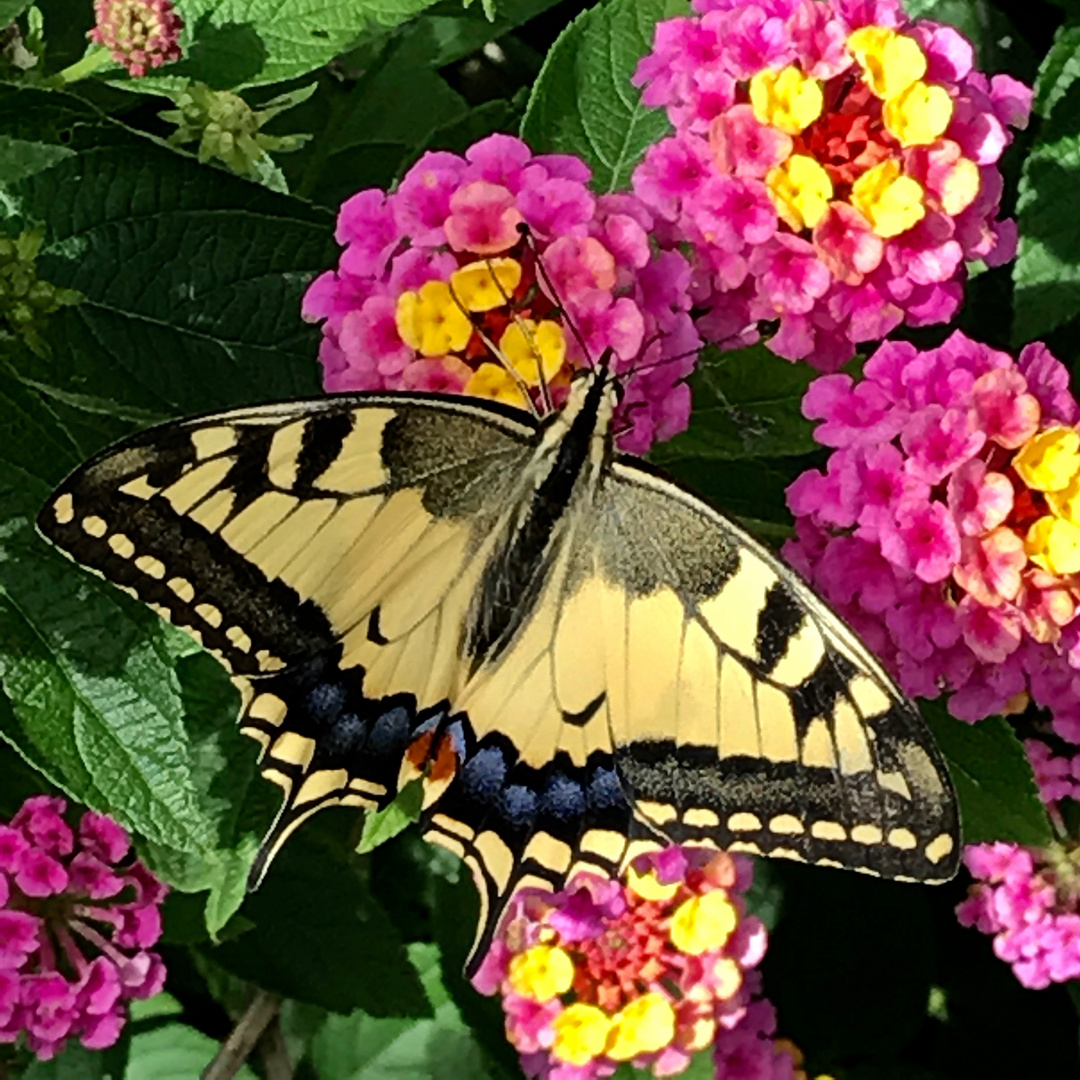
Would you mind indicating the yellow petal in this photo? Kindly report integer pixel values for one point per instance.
(581, 1032)
(703, 923)
(431, 321)
(648, 886)
(800, 190)
(918, 115)
(1065, 503)
(486, 283)
(1049, 460)
(531, 347)
(494, 382)
(1054, 545)
(891, 62)
(642, 1027)
(961, 186)
(541, 973)
(890, 201)
(786, 99)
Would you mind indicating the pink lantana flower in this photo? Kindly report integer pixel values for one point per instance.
(499, 274)
(867, 139)
(946, 524)
(648, 972)
(78, 915)
(140, 34)
(1029, 900)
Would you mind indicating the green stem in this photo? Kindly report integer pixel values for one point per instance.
(91, 62)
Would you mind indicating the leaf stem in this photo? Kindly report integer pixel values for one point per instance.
(274, 1052)
(94, 60)
(242, 1039)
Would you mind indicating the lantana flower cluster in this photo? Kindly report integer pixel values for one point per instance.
(649, 972)
(833, 166)
(944, 527)
(78, 916)
(499, 274)
(1057, 775)
(140, 34)
(1029, 900)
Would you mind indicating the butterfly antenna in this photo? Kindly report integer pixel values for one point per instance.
(494, 349)
(549, 285)
(530, 337)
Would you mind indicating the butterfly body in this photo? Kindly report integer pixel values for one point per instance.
(582, 661)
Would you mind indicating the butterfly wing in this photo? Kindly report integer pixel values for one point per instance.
(743, 711)
(325, 551)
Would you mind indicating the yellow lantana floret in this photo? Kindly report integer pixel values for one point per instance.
(648, 886)
(800, 190)
(1065, 503)
(544, 971)
(642, 1027)
(1049, 460)
(531, 347)
(430, 320)
(890, 201)
(703, 923)
(728, 976)
(960, 186)
(786, 99)
(493, 381)
(1054, 545)
(891, 62)
(486, 283)
(918, 115)
(581, 1033)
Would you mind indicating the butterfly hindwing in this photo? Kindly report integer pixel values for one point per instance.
(318, 549)
(744, 713)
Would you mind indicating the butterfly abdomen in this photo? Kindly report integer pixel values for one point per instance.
(513, 578)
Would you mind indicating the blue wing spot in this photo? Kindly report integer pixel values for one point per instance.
(326, 700)
(518, 805)
(605, 791)
(346, 736)
(563, 798)
(390, 735)
(483, 774)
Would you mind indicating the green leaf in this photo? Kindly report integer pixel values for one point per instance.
(20, 158)
(95, 705)
(360, 1047)
(747, 404)
(1047, 271)
(231, 794)
(174, 1052)
(230, 43)
(106, 699)
(152, 1008)
(320, 936)
(19, 780)
(992, 777)
(11, 10)
(384, 825)
(583, 102)
(191, 277)
(1060, 69)
(77, 1063)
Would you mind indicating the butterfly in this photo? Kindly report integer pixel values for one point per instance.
(582, 661)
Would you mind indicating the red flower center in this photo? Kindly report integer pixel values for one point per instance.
(625, 960)
(849, 137)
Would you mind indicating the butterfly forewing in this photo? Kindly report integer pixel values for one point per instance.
(318, 549)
